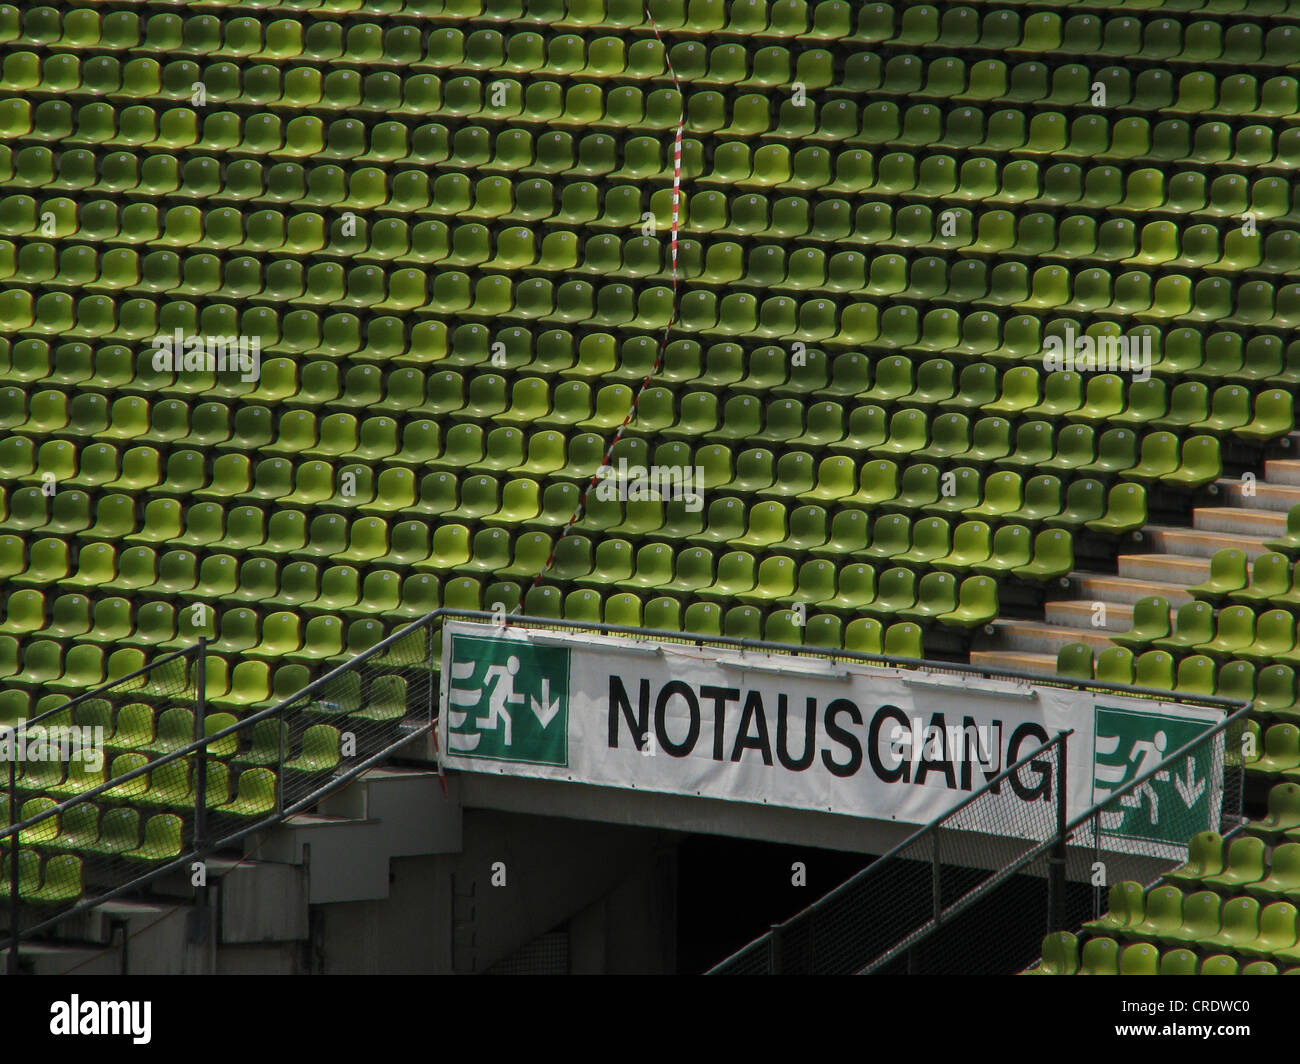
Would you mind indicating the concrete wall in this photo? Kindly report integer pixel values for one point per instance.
(518, 877)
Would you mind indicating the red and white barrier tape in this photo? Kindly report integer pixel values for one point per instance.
(663, 340)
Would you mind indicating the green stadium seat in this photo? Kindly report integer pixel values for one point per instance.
(1124, 910)
(1060, 955)
(1220, 964)
(1100, 956)
(1281, 750)
(1179, 962)
(1204, 858)
(1245, 864)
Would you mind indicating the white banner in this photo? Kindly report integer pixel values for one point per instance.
(772, 729)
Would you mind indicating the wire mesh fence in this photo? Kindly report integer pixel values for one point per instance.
(150, 775)
(907, 891)
(960, 896)
(352, 715)
(1141, 830)
(178, 775)
(72, 844)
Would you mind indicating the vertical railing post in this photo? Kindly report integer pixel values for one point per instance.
(200, 731)
(200, 919)
(774, 944)
(1056, 864)
(13, 860)
(936, 886)
(279, 766)
(1096, 860)
(432, 678)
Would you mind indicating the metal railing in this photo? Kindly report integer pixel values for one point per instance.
(851, 929)
(304, 746)
(1106, 843)
(910, 887)
(802, 650)
(204, 778)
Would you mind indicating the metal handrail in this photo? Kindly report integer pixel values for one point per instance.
(961, 904)
(803, 650)
(891, 854)
(666, 635)
(108, 686)
(1063, 832)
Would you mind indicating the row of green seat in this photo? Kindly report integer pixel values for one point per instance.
(318, 482)
(797, 474)
(883, 125)
(1233, 631)
(506, 191)
(393, 243)
(998, 30)
(831, 113)
(42, 664)
(1268, 580)
(370, 284)
(898, 531)
(865, 635)
(1104, 956)
(891, 378)
(719, 399)
(1207, 922)
(815, 19)
(1133, 912)
(158, 726)
(1273, 686)
(267, 632)
(90, 833)
(326, 531)
(384, 594)
(525, 193)
(243, 687)
(723, 404)
(860, 327)
(547, 104)
(172, 783)
(368, 43)
(144, 575)
(247, 684)
(159, 625)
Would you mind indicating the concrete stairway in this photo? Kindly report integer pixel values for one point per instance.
(384, 875)
(264, 892)
(1170, 560)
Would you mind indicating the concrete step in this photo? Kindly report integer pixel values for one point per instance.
(46, 958)
(1130, 589)
(1260, 495)
(1014, 659)
(1203, 543)
(1036, 637)
(1079, 613)
(1180, 570)
(1234, 520)
(385, 813)
(1282, 471)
